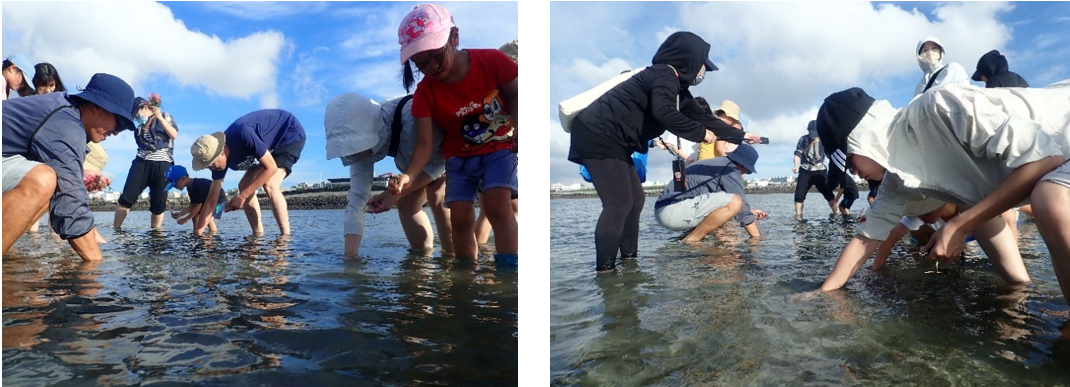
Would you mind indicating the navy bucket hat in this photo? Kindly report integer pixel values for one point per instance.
(113, 95)
(745, 155)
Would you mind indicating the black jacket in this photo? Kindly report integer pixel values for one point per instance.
(627, 117)
(993, 66)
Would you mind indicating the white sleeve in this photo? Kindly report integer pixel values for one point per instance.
(913, 223)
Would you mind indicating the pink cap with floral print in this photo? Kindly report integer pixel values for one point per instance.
(427, 27)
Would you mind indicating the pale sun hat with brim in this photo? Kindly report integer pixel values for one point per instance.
(729, 108)
(352, 123)
(206, 149)
(511, 50)
(426, 27)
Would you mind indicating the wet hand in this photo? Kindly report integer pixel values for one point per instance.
(381, 203)
(759, 214)
(946, 244)
(235, 203)
(398, 183)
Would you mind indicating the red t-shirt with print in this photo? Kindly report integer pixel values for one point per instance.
(471, 113)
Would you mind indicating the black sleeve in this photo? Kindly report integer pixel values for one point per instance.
(725, 132)
(664, 91)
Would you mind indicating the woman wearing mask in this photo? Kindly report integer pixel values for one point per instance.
(624, 120)
(155, 138)
(934, 72)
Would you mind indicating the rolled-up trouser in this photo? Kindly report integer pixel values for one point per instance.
(621, 193)
(152, 174)
(809, 179)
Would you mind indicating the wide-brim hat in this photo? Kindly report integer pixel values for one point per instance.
(27, 67)
(745, 155)
(729, 108)
(113, 95)
(426, 27)
(352, 123)
(206, 149)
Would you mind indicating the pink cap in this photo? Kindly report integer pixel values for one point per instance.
(427, 27)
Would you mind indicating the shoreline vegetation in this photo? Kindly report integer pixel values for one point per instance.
(336, 199)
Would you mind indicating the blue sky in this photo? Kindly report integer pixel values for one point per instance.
(213, 62)
(778, 61)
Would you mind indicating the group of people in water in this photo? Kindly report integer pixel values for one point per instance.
(958, 161)
(453, 138)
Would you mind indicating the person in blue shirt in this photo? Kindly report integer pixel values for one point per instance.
(43, 151)
(177, 177)
(715, 193)
(266, 144)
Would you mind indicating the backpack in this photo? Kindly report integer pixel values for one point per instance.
(568, 109)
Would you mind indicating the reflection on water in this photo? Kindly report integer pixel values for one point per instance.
(730, 310)
(254, 310)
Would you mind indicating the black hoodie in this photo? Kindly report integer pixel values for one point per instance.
(993, 66)
(642, 108)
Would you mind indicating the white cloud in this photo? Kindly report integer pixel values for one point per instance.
(777, 60)
(265, 10)
(151, 44)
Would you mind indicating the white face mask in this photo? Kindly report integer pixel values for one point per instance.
(701, 75)
(932, 56)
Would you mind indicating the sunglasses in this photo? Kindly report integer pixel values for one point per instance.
(434, 62)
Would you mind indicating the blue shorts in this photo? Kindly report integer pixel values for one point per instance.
(465, 173)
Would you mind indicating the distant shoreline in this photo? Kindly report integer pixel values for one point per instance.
(655, 191)
(329, 200)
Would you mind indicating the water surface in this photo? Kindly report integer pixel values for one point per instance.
(726, 311)
(239, 310)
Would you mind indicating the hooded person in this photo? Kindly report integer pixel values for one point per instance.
(984, 150)
(992, 69)
(935, 73)
(362, 132)
(625, 119)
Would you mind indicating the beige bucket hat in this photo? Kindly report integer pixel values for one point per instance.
(206, 149)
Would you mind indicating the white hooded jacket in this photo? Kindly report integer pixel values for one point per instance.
(952, 74)
(956, 144)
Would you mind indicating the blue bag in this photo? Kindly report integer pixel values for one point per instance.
(640, 167)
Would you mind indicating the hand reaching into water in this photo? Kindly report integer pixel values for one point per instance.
(759, 214)
(382, 202)
(946, 244)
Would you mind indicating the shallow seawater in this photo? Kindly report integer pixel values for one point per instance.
(729, 312)
(168, 307)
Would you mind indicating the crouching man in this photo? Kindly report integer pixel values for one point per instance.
(45, 140)
(714, 194)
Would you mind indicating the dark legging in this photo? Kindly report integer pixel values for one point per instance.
(809, 179)
(618, 186)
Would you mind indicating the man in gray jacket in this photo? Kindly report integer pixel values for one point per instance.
(43, 151)
(714, 194)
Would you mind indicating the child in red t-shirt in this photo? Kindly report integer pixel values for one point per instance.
(472, 95)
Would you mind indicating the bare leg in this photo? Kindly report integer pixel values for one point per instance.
(23, 204)
(499, 209)
(798, 211)
(414, 221)
(120, 216)
(999, 243)
(211, 225)
(1011, 217)
(482, 227)
(35, 225)
(463, 217)
(715, 220)
(352, 245)
(436, 199)
(1027, 210)
(157, 221)
(252, 205)
(1052, 215)
(278, 201)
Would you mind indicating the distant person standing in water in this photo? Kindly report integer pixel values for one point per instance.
(155, 138)
(809, 163)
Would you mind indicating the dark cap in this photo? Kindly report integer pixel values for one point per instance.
(839, 115)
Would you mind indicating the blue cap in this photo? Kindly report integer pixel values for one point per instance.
(745, 155)
(173, 174)
(26, 65)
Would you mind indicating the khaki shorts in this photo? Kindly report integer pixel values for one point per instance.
(1059, 176)
(15, 168)
(688, 213)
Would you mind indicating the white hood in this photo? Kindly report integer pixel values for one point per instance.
(925, 66)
